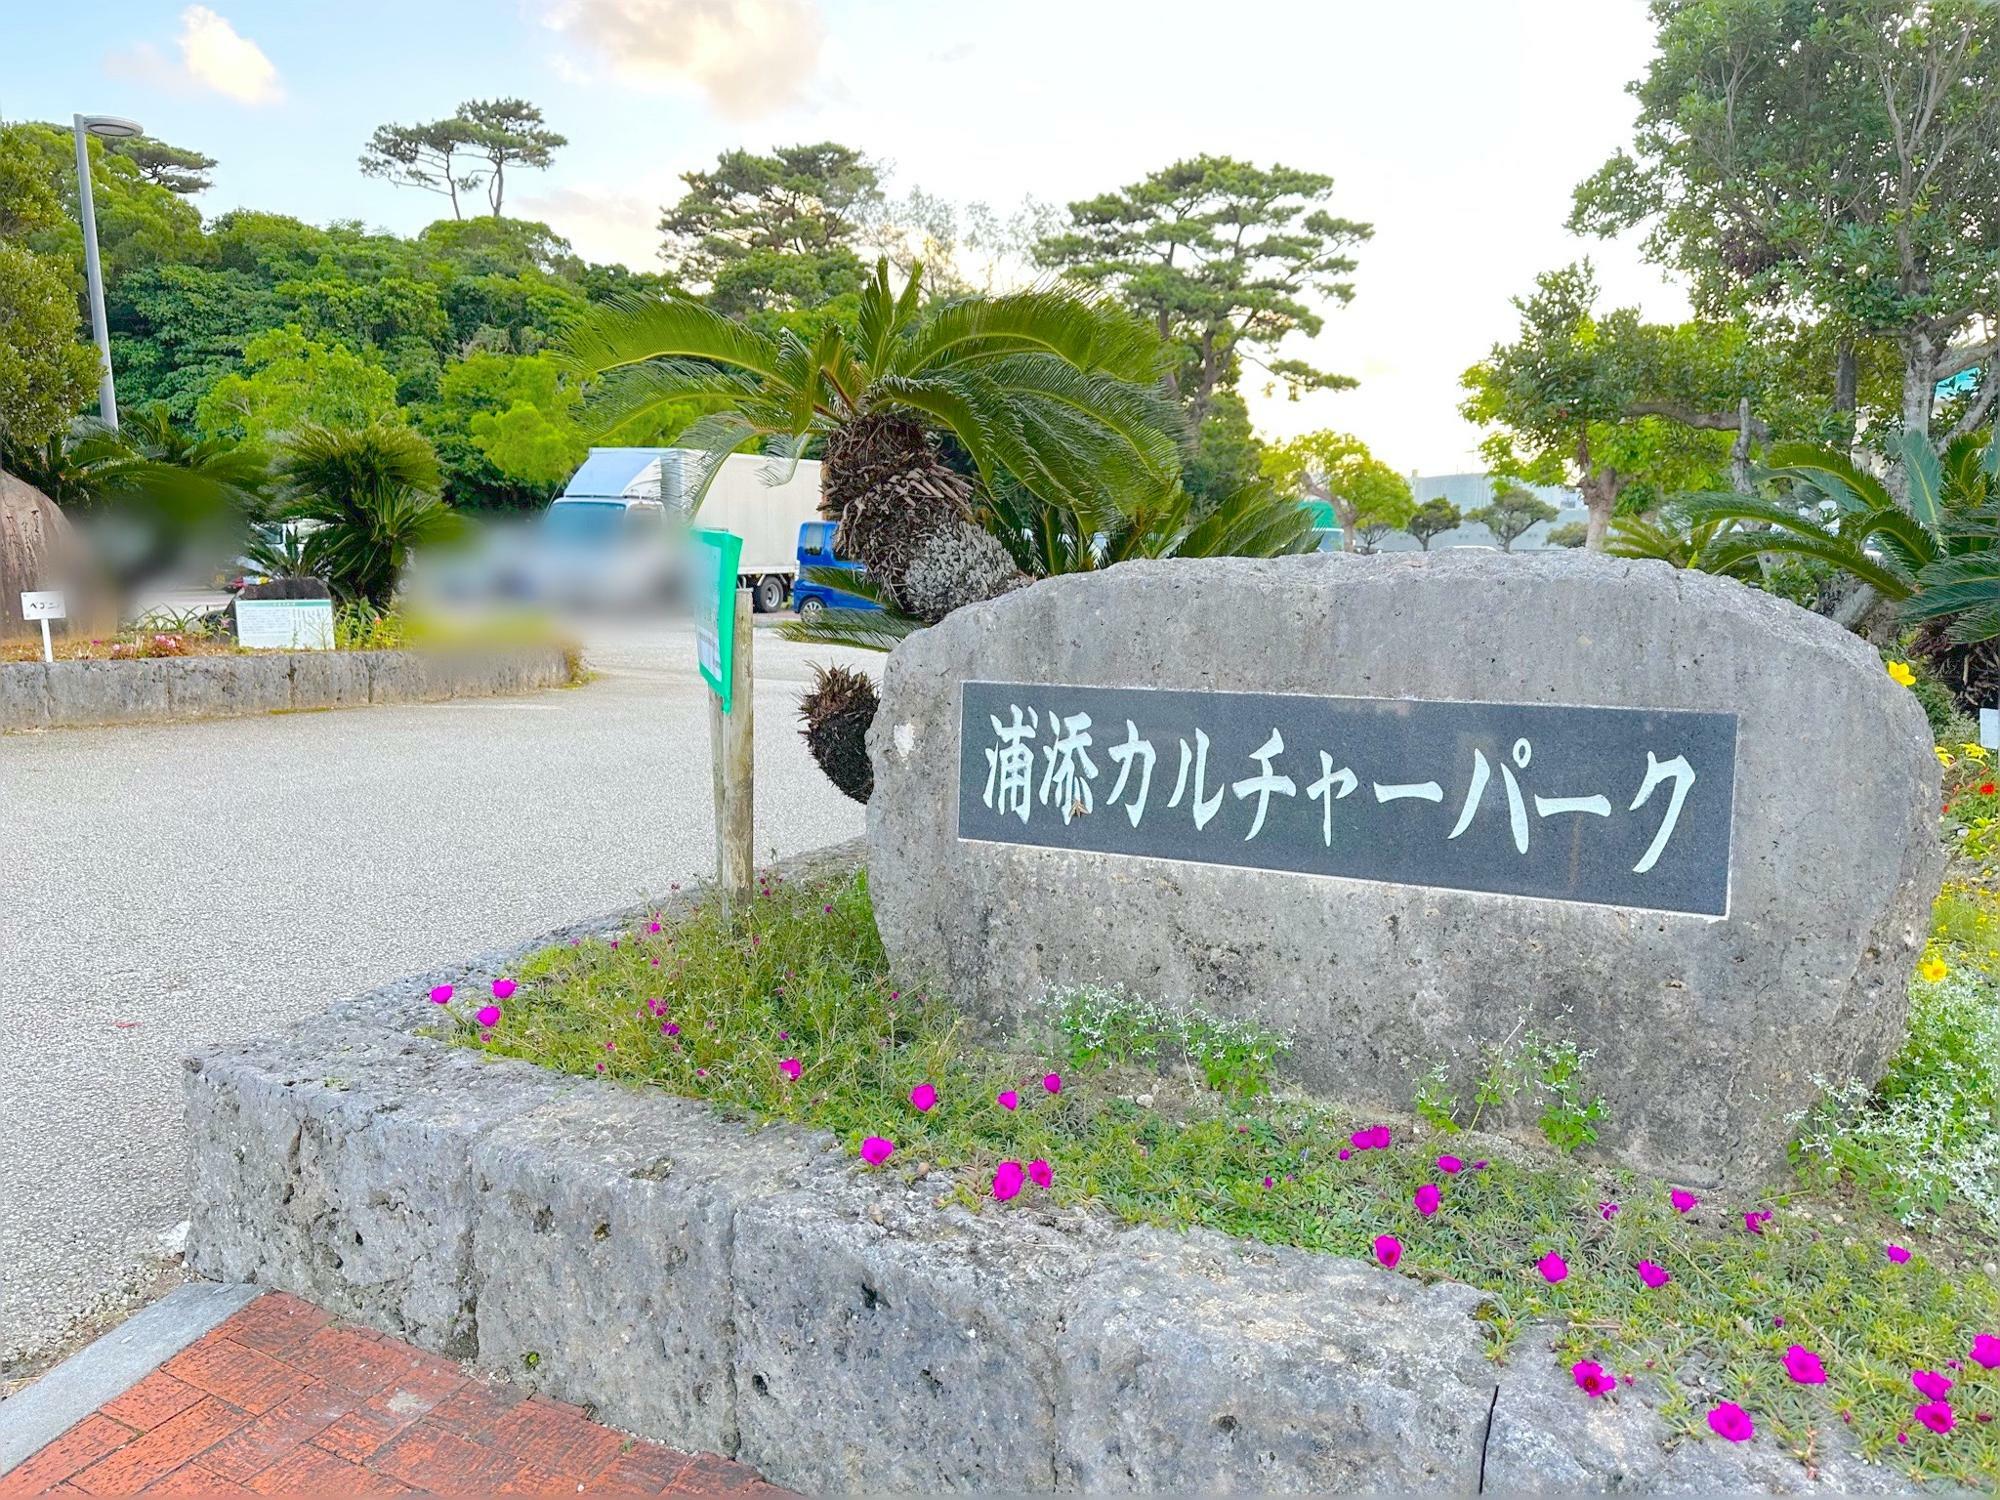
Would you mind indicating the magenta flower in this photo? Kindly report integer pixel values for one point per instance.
(1009, 1099)
(923, 1098)
(1451, 1166)
(1374, 1138)
(1606, 1210)
(1267, 1182)
(1345, 1153)
(1803, 1366)
(1930, 1383)
(1007, 1180)
(1756, 1219)
(489, 1016)
(875, 1150)
(652, 927)
(1896, 1253)
(1682, 1201)
(1592, 1379)
(1388, 1250)
(670, 1028)
(1553, 1268)
(1479, 1166)
(1728, 1420)
(1654, 1276)
(1427, 1199)
(1040, 1173)
(503, 989)
(1936, 1415)
(1986, 1351)
(791, 1068)
(1053, 1083)
(441, 995)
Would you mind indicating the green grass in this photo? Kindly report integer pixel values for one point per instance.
(802, 975)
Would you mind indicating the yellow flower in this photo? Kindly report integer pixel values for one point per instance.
(1900, 670)
(1943, 755)
(1933, 969)
(1973, 752)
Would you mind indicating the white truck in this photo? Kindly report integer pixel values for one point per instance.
(618, 486)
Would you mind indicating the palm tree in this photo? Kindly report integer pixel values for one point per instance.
(1045, 391)
(373, 491)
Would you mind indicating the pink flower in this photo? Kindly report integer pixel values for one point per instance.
(1803, 1366)
(1009, 1099)
(875, 1150)
(1451, 1166)
(1374, 1138)
(1388, 1250)
(652, 927)
(1427, 1199)
(1040, 1173)
(502, 988)
(1007, 1180)
(441, 995)
(1267, 1182)
(1756, 1219)
(1728, 1420)
(1479, 1166)
(1591, 1378)
(1053, 1083)
(1936, 1415)
(1896, 1253)
(1930, 1383)
(1606, 1210)
(1654, 1276)
(791, 1068)
(670, 1028)
(1683, 1201)
(489, 1016)
(1986, 1351)
(1345, 1153)
(923, 1098)
(1553, 1268)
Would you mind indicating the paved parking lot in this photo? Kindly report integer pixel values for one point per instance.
(166, 886)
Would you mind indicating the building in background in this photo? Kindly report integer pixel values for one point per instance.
(1469, 492)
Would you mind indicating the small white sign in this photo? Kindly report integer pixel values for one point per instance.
(1989, 728)
(46, 604)
(285, 624)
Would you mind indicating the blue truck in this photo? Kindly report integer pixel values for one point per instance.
(812, 599)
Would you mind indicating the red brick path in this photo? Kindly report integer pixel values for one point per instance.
(282, 1400)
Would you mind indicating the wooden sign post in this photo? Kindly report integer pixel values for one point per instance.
(723, 649)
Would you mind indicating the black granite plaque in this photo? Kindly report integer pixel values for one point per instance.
(1614, 806)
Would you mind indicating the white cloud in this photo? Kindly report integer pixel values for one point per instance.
(214, 57)
(217, 57)
(750, 58)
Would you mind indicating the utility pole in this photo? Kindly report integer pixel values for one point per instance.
(111, 128)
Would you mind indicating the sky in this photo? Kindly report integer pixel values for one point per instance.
(1458, 128)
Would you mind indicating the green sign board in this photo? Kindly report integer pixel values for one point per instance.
(714, 600)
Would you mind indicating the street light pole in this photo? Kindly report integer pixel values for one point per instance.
(110, 128)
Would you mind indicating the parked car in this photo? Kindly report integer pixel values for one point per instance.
(815, 550)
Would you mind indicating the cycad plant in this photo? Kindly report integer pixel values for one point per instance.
(373, 491)
(1047, 391)
(1938, 558)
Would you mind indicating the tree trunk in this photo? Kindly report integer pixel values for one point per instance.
(1600, 490)
(1919, 388)
(1846, 390)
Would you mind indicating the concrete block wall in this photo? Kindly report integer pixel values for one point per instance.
(151, 690)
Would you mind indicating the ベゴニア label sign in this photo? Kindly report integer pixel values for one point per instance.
(1614, 806)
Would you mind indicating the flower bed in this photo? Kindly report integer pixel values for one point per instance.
(1810, 1312)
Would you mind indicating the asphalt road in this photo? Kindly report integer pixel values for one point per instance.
(164, 887)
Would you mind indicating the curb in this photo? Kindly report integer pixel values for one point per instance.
(113, 1364)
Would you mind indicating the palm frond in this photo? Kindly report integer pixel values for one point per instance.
(1090, 333)
(853, 581)
(868, 629)
(1829, 471)
(627, 330)
(1923, 479)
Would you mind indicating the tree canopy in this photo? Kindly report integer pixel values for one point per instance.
(1337, 468)
(1227, 259)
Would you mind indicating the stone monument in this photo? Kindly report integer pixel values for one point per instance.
(1412, 807)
